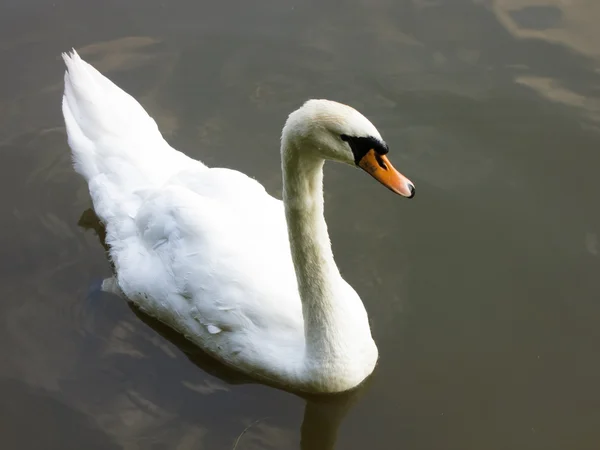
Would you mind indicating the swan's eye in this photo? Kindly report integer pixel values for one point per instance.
(362, 145)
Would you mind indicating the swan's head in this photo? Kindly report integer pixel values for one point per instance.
(337, 132)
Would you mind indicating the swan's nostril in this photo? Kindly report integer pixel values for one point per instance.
(380, 161)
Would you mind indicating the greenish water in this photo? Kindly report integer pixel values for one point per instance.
(483, 290)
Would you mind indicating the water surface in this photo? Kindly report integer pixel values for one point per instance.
(483, 290)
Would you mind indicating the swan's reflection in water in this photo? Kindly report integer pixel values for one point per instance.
(323, 414)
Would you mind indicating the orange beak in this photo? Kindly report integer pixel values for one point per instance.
(380, 168)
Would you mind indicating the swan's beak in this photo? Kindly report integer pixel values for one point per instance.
(380, 168)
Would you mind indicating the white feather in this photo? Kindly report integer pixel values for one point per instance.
(207, 250)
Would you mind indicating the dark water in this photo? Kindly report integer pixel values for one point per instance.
(483, 290)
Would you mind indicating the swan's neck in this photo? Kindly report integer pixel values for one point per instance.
(336, 328)
(317, 274)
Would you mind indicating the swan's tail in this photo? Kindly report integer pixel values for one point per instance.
(103, 121)
(116, 145)
(95, 109)
(99, 106)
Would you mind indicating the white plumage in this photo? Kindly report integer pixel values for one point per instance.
(207, 250)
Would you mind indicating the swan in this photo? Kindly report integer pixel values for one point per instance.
(248, 278)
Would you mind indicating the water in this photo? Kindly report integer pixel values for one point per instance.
(483, 290)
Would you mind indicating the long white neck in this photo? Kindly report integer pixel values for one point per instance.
(336, 326)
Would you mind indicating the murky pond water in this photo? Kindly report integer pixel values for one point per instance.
(483, 291)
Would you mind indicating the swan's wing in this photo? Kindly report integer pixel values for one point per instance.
(213, 266)
(204, 250)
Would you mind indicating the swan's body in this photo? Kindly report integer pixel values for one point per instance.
(208, 251)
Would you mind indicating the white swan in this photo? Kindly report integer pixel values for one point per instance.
(248, 278)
